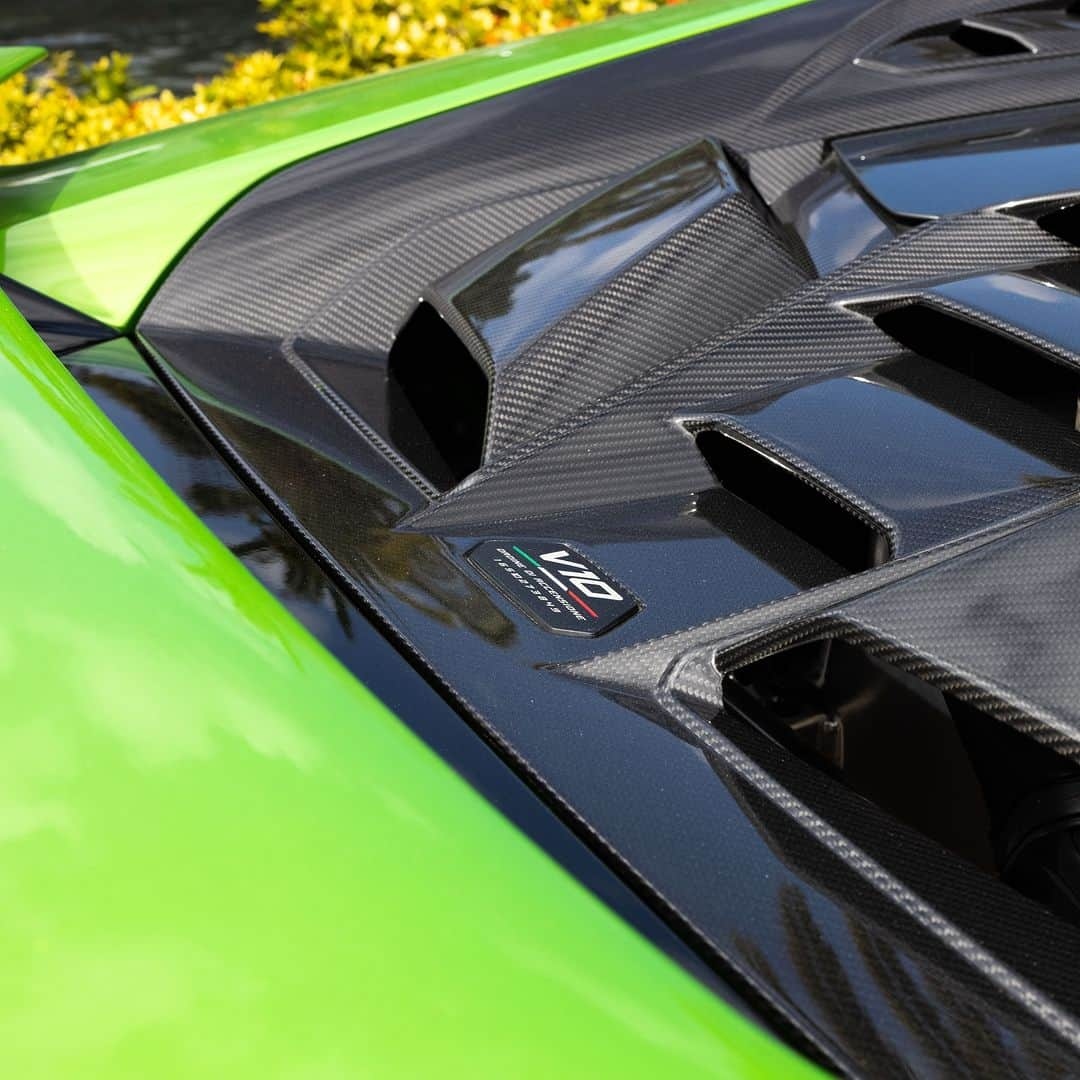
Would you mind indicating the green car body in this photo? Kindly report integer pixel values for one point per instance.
(221, 854)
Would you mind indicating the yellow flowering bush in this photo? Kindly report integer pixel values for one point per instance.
(67, 106)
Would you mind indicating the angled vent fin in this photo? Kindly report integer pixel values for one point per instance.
(836, 529)
(994, 358)
(961, 41)
(586, 300)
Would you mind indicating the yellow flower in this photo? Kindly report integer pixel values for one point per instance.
(65, 107)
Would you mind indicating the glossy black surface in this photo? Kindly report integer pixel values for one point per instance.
(817, 941)
(1017, 333)
(960, 165)
(831, 217)
(795, 936)
(1035, 302)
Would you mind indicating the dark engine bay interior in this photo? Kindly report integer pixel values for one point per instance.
(703, 426)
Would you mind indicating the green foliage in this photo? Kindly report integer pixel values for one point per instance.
(69, 107)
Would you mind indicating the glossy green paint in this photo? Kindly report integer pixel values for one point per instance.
(220, 856)
(13, 58)
(96, 230)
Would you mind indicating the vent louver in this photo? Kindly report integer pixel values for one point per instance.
(438, 397)
(947, 44)
(1062, 222)
(929, 758)
(522, 337)
(994, 358)
(838, 530)
(982, 41)
(1047, 29)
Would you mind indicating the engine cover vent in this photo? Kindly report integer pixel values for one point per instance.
(922, 746)
(1035, 30)
(947, 44)
(839, 530)
(998, 360)
(583, 302)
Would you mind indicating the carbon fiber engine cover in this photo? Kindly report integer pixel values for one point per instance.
(692, 342)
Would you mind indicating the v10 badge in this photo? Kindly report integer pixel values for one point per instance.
(554, 585)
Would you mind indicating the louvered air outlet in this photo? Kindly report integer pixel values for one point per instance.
(438, 397)
(941, 765)
(985, 42)
(847, 538)
(947, 44)
(1045, 29)
(1063, 222)
(525, 335)
(994, 358)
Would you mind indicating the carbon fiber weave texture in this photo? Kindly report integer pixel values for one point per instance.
(665, 303)
(369, 226)
(814, 831)
(630, 438)
(955, 617)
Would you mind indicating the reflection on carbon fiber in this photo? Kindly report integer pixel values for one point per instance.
(611, 216)
(846, 968)
(872, 945)
(410, 567)
(948, 1030)
(355, 518)
(197, 473)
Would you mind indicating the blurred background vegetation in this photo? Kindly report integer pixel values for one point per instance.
(75, 101)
